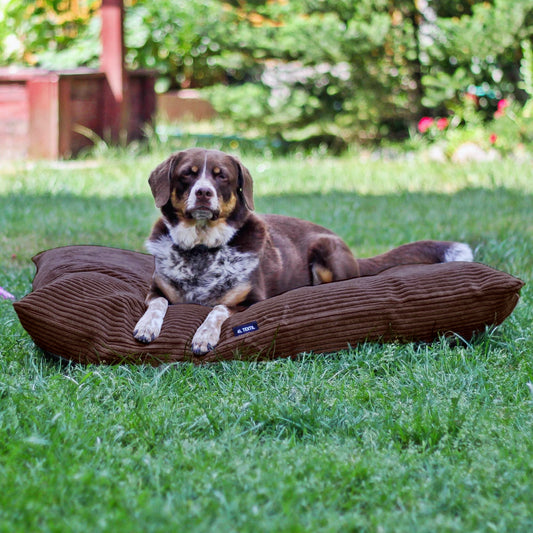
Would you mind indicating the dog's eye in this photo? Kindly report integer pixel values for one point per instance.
(221, 177)
(188, 174)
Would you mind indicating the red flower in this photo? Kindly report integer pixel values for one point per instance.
(493, 138)
(442, 123)
(502, 104)
(424, 124)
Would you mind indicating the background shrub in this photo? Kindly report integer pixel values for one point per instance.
(329, 70)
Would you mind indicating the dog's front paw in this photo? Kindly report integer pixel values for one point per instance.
(149, 326)
(147, 330)
(208, 334)
(205, 339)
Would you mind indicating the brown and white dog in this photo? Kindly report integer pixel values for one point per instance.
(210, 248)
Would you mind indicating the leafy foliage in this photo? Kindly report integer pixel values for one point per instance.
(329, 70)
(179, 38)
(364, 70)
(50, 33)
(325, 71)
(478, 53)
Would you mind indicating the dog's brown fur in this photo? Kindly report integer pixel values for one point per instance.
(208, 230)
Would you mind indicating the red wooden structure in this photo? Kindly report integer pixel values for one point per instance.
(50, 114)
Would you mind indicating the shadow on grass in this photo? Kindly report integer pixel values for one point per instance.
(497, 223)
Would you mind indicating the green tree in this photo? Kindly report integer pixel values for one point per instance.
(345, 70)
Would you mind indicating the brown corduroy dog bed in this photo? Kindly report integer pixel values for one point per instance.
(86, 301)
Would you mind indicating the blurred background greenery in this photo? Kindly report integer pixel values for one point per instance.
(328, 72)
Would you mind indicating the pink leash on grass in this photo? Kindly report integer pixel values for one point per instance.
(6, 295)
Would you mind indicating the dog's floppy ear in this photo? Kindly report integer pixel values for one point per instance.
(246, 186)
(159, 180)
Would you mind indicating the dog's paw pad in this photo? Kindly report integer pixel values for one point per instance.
(143, 336)
(146, 331)
(204, 341)
(202, 349)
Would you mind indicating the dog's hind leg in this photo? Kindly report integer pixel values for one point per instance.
(330, 260)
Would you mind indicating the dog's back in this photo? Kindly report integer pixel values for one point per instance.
(308, 254)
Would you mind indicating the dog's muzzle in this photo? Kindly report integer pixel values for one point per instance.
(202, 213)
(202, 203)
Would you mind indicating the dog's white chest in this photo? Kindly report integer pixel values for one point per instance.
(202, 275)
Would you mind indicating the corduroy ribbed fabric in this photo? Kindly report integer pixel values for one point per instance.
(86, 301)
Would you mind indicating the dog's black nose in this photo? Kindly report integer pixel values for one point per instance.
(204, 193)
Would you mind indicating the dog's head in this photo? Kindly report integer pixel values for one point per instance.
(202, 185)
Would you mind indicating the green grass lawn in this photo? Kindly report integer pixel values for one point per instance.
(375, 438)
